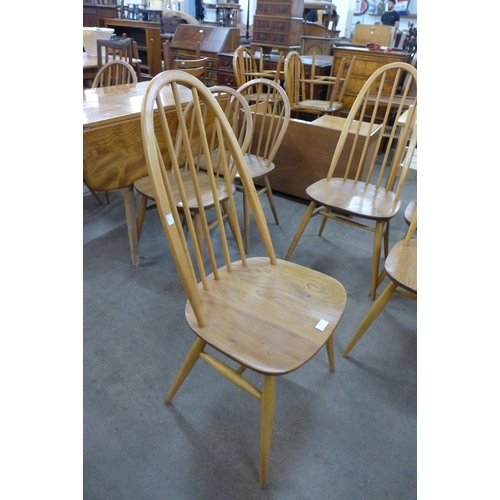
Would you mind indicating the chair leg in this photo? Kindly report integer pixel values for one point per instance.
(186, 367)
(141, 214)
(270, 197)
(131, 217)
(198, 228)
(375, 310)
(266, 425)
(323, 222)
(386, 240)
(330, 352)
(377, 246)
(303, 223)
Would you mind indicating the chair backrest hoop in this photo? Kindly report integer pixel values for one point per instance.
(204, 103)
(115, 72)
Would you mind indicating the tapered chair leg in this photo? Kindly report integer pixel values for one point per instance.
(303, 223)
(270, 198)
(323, 222)
(141, 212)
(330, 352)
(266, 425)
(375, 310)
(377, 247)
(186, 367)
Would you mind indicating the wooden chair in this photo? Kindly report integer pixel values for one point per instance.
(300, 89)
(196, 67)
(238, 114)
(114, 72)
(271, 117)
(245, 68)
(267, 315)
(360, 184)
(401, 269)
(143, 75)
(114, 49)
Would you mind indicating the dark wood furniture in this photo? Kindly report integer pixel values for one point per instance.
(227, 15)
(277, 25)
(367, 62)
(212, 40)
(94, 15)
(148, 38)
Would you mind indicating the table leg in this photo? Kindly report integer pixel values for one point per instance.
(130, 215)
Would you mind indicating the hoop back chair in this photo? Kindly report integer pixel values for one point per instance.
(262, 313)
(271, 117)
(300, 89)
(239, 116)
(401, 269)
(115, 72)
(369, 188)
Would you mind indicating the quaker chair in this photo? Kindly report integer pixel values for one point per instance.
(115, 72)
(238, 114)
(271, 117)
(300, 89)
(361, 188)
(401, 269)
(266, 314)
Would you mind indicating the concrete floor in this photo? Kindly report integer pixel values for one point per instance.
(347, 435)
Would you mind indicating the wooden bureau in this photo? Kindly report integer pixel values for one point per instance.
(212, 41)
(278, 24)
(367, 61)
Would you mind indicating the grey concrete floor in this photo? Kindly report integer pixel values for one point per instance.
(351, 434)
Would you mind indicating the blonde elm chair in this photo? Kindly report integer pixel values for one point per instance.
(267, 315)
(367, 193)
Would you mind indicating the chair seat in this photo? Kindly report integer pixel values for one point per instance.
(271, 324)
(144, 187)
(357, 198)
(257, 166)
(319, 105)
(401, 265)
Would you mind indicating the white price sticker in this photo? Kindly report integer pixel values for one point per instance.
(170, 219)
(321, 324)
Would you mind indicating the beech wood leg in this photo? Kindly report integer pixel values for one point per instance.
(270, 197)
(323, 222)
(330, 352)
(266, 425)
(303, 223)
(140, 215)
(198, 228)
(186, 367)
(130, 216)
(386, 240)
(377, 246)
(375, 310)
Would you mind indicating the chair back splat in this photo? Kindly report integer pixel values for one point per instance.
(268, 315)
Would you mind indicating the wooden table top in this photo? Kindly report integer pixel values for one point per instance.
(107, 105)
(337, 123)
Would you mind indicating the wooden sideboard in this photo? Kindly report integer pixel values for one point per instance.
(367, 62)
(148, 37)
(212, 39)
(94, 15)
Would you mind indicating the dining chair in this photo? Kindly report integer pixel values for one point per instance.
(246, 68)
(114, 72)
(114, 49)
(267, 315)
(301, 90)
(401, 269)
(271, 117)
(195, 67)
(239, 116)
(363, 188)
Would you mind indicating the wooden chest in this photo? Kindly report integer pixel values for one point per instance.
(278, 24)
(212, 41)
(373, 33)
(367, 62)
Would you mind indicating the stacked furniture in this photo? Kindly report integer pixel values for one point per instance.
(278, 25)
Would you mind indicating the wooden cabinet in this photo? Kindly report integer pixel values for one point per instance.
(278, 24)
(148, 38)
(212, 40)
(367, 61)
(94, 15)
